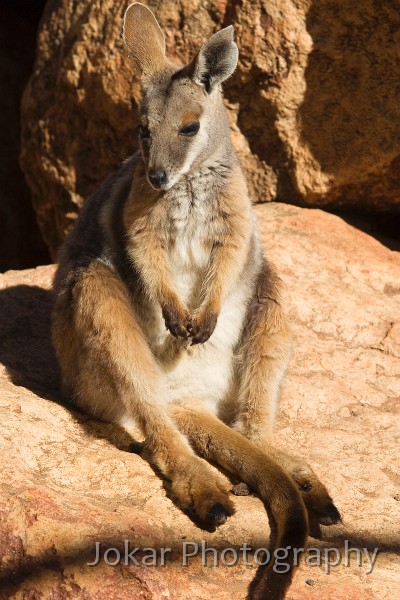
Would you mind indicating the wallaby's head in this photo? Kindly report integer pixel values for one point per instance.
(182, 121)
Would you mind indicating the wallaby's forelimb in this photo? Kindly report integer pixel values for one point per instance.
(153, 266)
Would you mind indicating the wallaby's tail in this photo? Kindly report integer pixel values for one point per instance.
(218, 443)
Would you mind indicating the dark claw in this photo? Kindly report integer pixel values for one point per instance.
(173, 323)
(330, 515)
(218, 514)
(176, 329)
(200, 338)
(202, 331)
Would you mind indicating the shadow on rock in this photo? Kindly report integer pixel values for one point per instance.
(27, 353)
(25, 339)
(79, 558)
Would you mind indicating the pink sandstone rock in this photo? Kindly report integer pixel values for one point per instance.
(67, 482)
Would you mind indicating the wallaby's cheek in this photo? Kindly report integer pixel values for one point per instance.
(193, 149)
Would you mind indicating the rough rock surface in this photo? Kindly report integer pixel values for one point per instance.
(67, 482)
(313, 104)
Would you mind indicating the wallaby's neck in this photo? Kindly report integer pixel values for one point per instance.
(218, 161)
(203, 182)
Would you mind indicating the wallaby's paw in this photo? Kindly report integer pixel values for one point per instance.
(203, 494)
(202, 326)
(177, 320)
(320, 507)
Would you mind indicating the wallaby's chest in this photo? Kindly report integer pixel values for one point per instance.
(190, 226)
(189, 245)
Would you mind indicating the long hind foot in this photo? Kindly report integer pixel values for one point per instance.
(199, 491)
(320, 506)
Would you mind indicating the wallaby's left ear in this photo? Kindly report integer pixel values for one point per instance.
(144, 39)
(216, 60)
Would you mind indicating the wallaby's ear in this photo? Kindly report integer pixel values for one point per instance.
(144, 39)
(216, 60)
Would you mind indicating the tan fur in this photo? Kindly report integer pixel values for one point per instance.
(215, 441)
(149, 57)
(188, 117)
(167, 315)
(266, 343)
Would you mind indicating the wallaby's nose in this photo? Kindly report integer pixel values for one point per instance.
(158, 177)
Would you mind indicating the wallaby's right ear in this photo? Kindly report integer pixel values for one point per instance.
(144, 39)
(216, 60)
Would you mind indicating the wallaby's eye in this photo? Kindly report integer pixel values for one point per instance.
(144, 132)
(190, 129)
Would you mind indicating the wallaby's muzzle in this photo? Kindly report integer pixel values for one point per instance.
(158, 178)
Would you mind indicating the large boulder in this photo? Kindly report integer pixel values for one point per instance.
(67, 482)
(313, 104)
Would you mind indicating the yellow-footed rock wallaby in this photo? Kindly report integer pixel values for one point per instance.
(168, 316)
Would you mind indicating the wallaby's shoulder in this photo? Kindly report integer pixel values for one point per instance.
(114, 188)
(99, 225)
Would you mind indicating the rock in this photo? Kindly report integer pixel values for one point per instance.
(316, 96)
(21, 245)
(67, 481)
(313, 104)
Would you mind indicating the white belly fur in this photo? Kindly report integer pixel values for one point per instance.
(203, 372)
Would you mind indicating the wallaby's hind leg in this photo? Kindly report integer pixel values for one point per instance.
(217, 442)
(116, 378)
(264, 354)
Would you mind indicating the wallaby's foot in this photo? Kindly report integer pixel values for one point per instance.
(136, 447)
(177, 319)
(320, 507)
(319, 504)
(202, 326)
(197, 490)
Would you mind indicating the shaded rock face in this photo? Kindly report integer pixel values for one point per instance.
(67, 482)
(21, 245)
(313, 104)
(317, 90)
